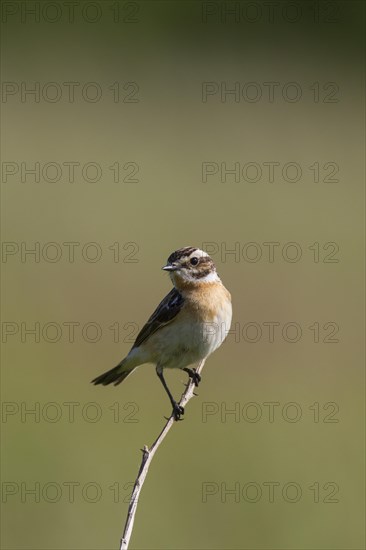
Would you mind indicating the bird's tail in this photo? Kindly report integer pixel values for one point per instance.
(116, 375)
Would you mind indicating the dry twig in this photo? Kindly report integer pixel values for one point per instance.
(147, 456)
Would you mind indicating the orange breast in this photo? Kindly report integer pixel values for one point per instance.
(204, 300)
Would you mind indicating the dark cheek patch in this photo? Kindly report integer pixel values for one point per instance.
(206, 262)
(202, 273)
(205, 267)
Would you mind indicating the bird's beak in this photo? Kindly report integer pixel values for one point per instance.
(170, 267)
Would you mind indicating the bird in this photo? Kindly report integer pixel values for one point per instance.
(189, 324)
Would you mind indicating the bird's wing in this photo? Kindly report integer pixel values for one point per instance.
(168, 308)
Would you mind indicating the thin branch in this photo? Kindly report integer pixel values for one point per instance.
(147, 456)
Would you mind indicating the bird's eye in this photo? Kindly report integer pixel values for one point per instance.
(194, 261)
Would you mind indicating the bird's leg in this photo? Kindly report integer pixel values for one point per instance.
(193, 374)
(178, 411)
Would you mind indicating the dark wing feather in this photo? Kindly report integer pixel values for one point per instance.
(168, 308)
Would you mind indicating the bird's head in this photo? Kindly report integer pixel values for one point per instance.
(189, 266)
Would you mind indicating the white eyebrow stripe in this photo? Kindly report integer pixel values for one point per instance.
(198, 252)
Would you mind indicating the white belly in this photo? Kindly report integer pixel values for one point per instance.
(183, 343)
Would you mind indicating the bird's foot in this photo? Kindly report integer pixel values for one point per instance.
(178, 411)
(194, 376)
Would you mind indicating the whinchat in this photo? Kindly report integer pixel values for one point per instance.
(188, 325)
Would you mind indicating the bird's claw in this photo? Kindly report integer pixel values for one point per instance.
(178, 411)
(194, 376)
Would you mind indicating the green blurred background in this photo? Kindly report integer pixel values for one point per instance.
(161, 125)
